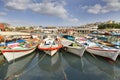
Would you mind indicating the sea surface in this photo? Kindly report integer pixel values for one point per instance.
(62, 66)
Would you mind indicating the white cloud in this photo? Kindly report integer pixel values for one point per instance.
(73, 20)
(49, 8)
(53, 8)
(83, 7)
(3, 13)
(95, 9)
(111, 5)
(16, 4)
(46, 7)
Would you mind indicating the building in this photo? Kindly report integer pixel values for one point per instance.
(66, 30)
(2, 27)
(86, 29)
(49, 29)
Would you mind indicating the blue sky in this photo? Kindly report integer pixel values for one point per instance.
(58, 12)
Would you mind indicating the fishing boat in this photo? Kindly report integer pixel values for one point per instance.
(75, 49)
(116, 43)
(81, 40)
(66, 42)
(101, 50)
(86, 43)
(50, 45)
(69, 37)
(16, 50)
(106, 43)
(115, 34)
(104, 51)
(10, 40)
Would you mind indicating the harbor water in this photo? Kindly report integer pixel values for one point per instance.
(62, 66)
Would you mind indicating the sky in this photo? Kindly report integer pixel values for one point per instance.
(58, 12)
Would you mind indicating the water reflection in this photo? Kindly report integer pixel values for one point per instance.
(12, 70)
(51, 67)
(44, 68)
(50, 64)
(106, 67)
(89, 67)
(73, 61)
(62, 66)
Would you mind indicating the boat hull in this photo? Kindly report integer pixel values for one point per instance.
(104, 53)
(50, 46)
(79, 51)
(14, 54)
(50, 52)
(66, 42)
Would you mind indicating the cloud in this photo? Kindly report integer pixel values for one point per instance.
(52, 8)
(49, 8)
(95, 9)
(16, 4)
(73, 20)
(45, 7)
(110, 5)
(83, 7)
(3, 13)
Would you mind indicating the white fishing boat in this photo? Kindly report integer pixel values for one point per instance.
(83, 41)
(72, 47)
(50, 46)
(75, 49)
(66, 42)
(101, 50)
(104, 51)
(16, 50)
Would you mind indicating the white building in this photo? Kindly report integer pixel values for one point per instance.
(86, 28)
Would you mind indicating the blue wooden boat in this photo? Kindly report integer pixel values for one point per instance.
(72, 38)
